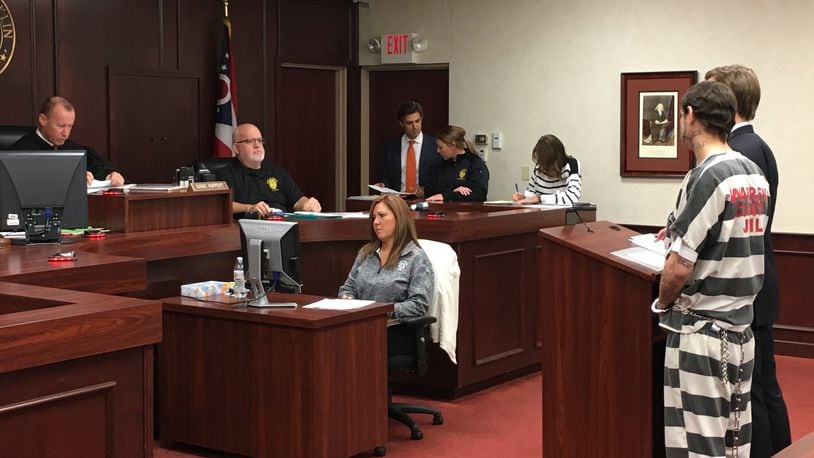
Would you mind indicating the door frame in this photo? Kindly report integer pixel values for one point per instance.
(364, 112)
(341, 125)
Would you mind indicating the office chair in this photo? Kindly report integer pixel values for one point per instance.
(205, 170)
(416, 361)
(10, 134)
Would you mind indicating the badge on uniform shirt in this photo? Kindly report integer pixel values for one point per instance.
(272, 182)
(462, 174)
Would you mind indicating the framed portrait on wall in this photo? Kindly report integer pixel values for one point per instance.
(650, 144)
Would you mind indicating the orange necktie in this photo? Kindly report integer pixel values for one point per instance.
(410, 182)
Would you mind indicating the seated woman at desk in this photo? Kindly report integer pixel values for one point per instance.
(556, 177)
(463, 174)
(391, 267)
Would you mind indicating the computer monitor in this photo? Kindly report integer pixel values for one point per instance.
(272, 253)
(42, 192)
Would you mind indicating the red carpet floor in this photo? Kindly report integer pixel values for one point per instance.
(507, 420)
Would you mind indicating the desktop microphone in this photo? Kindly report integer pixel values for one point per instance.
(577, 206)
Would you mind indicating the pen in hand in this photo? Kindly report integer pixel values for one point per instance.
(516, 188)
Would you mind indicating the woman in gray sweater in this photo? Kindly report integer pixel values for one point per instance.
(392, 267)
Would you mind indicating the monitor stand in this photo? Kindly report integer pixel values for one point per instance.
(261, 300)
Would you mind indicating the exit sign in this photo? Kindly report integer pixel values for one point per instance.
(396, 48)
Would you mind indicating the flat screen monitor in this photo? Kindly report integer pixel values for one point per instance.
(42, 192)
(272, 253)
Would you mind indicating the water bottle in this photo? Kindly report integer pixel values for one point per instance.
(239, 278)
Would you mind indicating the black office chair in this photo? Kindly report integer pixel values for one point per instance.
(416, 361)
(10, 134)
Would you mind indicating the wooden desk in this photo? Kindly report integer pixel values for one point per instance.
(603, 351)
(91, 272)
(75, 369)
(292, 383)
(137, 212)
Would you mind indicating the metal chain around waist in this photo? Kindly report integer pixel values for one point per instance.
(723, 336)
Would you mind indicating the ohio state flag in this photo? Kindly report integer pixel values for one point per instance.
(226, 111)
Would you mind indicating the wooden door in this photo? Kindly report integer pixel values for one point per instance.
(306, 145)
(387, 89)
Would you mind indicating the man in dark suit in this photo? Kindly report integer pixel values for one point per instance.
(770, 419)
(410, 161)
(55, 122)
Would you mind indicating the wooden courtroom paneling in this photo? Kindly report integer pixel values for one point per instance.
(69, 47)
(503, 317)
(794, 330)
(147, 141)
(315, 32)
(306, 143)
(84, 52)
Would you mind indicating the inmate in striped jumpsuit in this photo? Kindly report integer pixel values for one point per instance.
(719, 219)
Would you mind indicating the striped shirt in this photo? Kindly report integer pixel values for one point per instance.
(721, 215)
(563, 190)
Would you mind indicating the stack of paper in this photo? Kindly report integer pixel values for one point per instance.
(648, 251)
(157, 187)
(648, 241)
(338, 304)
(384, 190)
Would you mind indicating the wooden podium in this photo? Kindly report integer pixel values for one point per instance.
(603, 351)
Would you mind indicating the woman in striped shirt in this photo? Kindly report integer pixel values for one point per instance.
(556, 177)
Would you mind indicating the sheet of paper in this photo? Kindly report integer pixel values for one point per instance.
(499, 202)
(338, 304)
(384, 190)
(346, 214)
(97, 186)
(100, 184)
(544, 206)
(649, 242)
(642, 256)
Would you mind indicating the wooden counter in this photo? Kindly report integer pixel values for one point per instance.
(76, 368)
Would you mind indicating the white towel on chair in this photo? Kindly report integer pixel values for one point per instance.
(444, 305)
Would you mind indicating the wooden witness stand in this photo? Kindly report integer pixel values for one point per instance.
(260, 382)
(603, 350)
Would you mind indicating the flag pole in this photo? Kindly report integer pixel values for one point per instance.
(226, 9)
